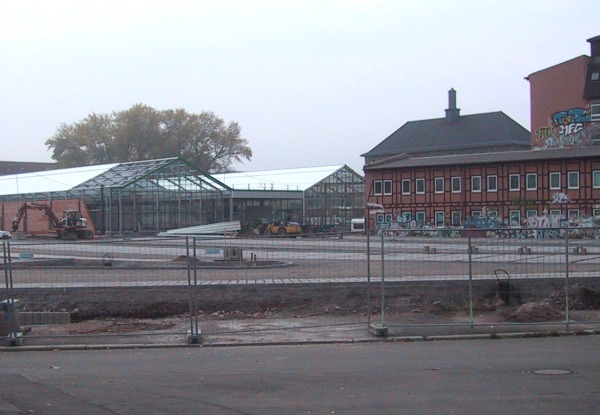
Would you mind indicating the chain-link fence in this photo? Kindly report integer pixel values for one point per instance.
(224, 288)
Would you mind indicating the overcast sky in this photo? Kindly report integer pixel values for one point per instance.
(311, 83)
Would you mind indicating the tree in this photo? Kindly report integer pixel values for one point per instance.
(142, 132)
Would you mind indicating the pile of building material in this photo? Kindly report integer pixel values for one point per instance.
(221, 228)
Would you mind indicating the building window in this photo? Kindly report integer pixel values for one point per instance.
(596, 179)
(555, 181)
(406, 186)
(380, 218)
(456, 185)
(439, 219)
(475, 213)
(420, 217)
(377, 188)
(456, 218)
(492, 183)
(596, 212)
(595, 108)
(531, 213)
(406, 217)
(573, 180)
(439, 184)
(492, 213)
(531, 181)
(514, 182)
(387, 187)
(388, 218)
(514, 217)
(420, 186)
(476, 184)
(555, 212)
(573, 213)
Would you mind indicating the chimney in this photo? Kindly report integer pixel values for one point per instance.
(595, 48)
(452, 113)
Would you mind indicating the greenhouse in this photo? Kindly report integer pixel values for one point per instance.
(144, 196)
(156, 195)
(318, 197)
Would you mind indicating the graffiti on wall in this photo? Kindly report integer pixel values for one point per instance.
(567, 129)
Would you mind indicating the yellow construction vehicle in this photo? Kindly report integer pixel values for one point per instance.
(283, 228)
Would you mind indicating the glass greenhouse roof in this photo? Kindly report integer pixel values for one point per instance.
(298, 179)
(49, 181)
(163, 174)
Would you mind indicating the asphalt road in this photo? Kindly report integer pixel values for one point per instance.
(443, 377)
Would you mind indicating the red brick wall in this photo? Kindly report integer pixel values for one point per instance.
(555, 89)
(585, 199)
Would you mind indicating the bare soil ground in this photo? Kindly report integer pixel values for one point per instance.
(584, 305)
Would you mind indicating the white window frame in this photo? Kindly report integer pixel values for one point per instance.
(556, 212)
(387, 187)
(510, 182)
(420, 182)
(596, 212)
(377, 183)
(420, 216)
(455, 184)
(475, 213)
(573, 212)
(531, 212)
(438, 223)
(492, 213)
(533, 177)
(475, 188)
(595, 110)
(389, 218)
(514, 213)
(550, 176)
(380, 218)
(405, 182)
(490, 188)
(439, 180)
(454, 215)
(573, 175)
(596, 179)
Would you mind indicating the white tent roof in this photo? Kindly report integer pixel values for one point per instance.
(49, 181)
(298, 179)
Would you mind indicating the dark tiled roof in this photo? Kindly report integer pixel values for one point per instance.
(18, 167)
(468, 131)
(484, 158)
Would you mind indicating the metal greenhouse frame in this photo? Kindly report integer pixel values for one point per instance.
(143, 196)
(154, 195)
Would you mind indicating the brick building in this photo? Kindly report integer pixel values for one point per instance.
(444, 170)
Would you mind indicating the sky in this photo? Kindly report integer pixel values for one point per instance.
(311, 83)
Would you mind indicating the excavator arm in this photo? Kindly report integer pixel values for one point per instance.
(38, 206)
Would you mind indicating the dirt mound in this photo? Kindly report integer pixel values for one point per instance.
(580, 298)
(535, 312)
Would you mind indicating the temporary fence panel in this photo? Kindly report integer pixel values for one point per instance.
(474, 282)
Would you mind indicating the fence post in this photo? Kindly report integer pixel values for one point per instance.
(567, 317)
(382, 279)
(193, 336)
(11, 317)
(470, 282)
(368, 276)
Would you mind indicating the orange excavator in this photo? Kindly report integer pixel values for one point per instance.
(71, 226)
